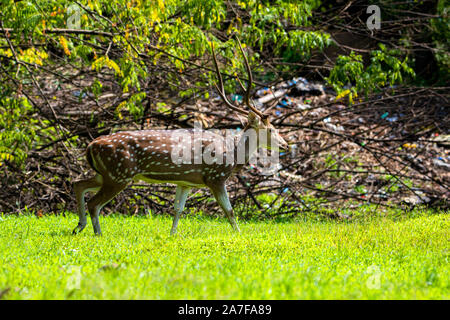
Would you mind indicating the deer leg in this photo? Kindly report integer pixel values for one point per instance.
(80, 188)
(221, 195)
(106, 193)
(180, 201)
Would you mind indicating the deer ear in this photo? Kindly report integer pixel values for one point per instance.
(252, 119)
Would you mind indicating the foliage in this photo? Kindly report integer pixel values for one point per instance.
(16, 140)
(138, 32)
(385, 69)
(181, 28)
(132, 63)
(376, 258)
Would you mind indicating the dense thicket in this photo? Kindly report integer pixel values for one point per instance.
(73, 70)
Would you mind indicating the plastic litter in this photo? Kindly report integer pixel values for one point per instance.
(441, 164)
(271, 96)
(236, 97)
(442, 140)
(302, 106)
(263, 91)
(78, 93)
(293, 82)
(415, 200)
(293, 150)
(302, 89)
(334, 127)
(286, 101)
(392, 119)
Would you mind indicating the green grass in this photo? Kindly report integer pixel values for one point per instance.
(379, 258)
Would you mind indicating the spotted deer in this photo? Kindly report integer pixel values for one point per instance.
(147, 155)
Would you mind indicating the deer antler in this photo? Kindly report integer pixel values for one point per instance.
(250, 82)
(220, 88)
(247, 92)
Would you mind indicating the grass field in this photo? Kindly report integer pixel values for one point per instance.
(376, 258)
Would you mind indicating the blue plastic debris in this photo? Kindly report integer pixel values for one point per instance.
(236, 97)
(300, 79)
(293, 82)
(78, 93)
(384, 115)
(263, 91)
(286, 101)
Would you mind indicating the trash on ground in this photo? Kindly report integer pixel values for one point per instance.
(303, 106)
(441, 164)
(443, 140)
(302, 89)
(271, 96)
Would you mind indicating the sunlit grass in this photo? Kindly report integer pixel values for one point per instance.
(297, 259)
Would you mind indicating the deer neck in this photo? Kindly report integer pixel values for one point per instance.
(246, 147)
